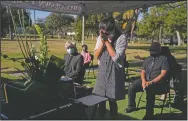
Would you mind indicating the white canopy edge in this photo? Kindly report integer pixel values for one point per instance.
(80, 7)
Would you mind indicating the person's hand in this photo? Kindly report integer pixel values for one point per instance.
(144, 84)
(148, 83)
(104, 37)
(63, 76)
(138, 57)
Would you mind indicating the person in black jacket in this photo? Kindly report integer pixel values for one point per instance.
(74, 63)
(174, 74)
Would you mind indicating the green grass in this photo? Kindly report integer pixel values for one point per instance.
(122, 104)
(11, 48)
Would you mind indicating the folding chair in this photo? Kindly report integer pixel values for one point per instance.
(91, 66)
(163, 101)
(127, 79)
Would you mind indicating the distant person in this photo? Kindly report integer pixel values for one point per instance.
(74, 63)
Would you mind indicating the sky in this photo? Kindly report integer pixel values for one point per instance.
(44, 14)
(39, 14)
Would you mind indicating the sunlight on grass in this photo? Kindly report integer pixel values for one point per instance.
(11, 48)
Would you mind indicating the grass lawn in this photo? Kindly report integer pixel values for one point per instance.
(11, 48)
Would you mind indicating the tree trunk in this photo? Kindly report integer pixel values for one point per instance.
(132, 28)
(10, 33)
(179, 38)
(160, 30)
(52, 34)
(92, 36)
(58, 34)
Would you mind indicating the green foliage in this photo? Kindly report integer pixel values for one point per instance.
(6, 19)
(168, 18)
(78, 30)
(43, 58)
(58, 22)
(91, 22)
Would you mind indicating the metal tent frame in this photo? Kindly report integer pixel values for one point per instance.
(83, 7)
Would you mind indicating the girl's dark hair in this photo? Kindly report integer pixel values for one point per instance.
(84, 46)
(107, 24)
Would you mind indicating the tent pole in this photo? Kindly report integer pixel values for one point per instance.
(82, 28)
(34, 23)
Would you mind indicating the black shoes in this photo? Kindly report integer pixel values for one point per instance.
(129, 110)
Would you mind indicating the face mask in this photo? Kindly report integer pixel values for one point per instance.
(154, 54)
(70, 50)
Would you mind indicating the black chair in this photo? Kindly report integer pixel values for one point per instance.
(127, 79)
(167, 90)
(91, 66)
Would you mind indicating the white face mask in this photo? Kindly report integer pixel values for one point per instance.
(70, 50)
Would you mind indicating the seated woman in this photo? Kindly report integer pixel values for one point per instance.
(86, 55)
(73, 63)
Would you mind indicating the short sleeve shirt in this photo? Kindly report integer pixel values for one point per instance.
(160, 63)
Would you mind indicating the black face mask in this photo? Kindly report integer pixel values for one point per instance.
(154, 54)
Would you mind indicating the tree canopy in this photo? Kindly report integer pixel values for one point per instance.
(164, 21)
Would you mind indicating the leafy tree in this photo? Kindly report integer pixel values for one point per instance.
(6, 19)
(58, 22)
(164, 21)
(78, 30)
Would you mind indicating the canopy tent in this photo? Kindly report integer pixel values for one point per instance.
(82, 7)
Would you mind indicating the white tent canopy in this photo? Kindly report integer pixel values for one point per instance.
(82, 7)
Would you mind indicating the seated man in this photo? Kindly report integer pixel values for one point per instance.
(74, 63)
(153, 78)
(174, 74)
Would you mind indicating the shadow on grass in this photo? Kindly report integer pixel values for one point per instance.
(87, 82)
(108, 116)
(170, 116)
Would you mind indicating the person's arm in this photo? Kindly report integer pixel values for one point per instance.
(143, 78)
(139, 57)
(78, 70)
(158, 78)
(110, 49)
(143, 74)
(98, 48)
(88, 59)
(120, 48)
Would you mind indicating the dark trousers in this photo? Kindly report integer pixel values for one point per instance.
(113, 109)
(151, 91)
(86, 66)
